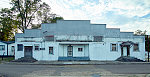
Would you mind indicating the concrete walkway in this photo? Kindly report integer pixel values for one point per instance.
(75, 63)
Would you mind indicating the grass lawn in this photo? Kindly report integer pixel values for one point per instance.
(7, 59)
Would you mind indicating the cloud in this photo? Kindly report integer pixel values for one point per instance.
(125, 14)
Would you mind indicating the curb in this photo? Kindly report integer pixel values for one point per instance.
(75, 63)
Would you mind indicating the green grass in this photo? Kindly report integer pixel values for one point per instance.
(7, 59)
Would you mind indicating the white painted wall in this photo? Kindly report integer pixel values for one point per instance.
(10, 52)
(2, 51)
(95, 50)
(9, 49)
(73, 37)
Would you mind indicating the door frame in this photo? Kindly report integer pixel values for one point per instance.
(68, 51)
(31, 50)
(128, 50)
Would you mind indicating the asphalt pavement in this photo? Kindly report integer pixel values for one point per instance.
(121, 70)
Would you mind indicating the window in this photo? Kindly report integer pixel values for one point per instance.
(36, 47)
(136, 47)
(13, 48)
(51, 50)
(98, 38)
(49, 38)
(113, 47)
(20, 47)
(80, 49)
(2, 47)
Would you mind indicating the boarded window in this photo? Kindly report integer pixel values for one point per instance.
(113, 47)
(2, 47)
(20, 47)
(98, 38)
(80, 49)
(51, 50)
(36, 47)
(49, 38)
(136, 47)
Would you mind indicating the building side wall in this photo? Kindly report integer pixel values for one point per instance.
(18, 54)
(3, 51)
(10, 52)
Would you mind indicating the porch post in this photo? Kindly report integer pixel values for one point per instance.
(121, 50)
(128, 50)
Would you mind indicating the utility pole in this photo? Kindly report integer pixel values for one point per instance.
(147, 36)
(148, 47)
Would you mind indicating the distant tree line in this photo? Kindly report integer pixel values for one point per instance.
(23, 15)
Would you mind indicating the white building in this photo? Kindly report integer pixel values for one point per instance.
(7, 48)
(78, 40)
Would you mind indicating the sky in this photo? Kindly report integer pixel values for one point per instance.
(128, 15)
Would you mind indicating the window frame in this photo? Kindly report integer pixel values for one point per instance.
(116, 46)
(3, 47)
(51, 52)
(18, 47)
(137, 47)
(35, 47)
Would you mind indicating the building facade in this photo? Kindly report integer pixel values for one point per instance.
(78, 40)
(7, 48)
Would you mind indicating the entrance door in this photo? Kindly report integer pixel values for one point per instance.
(28, 51)
(70, 51)
(124, 51)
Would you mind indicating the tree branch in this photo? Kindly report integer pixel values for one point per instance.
(33, 14)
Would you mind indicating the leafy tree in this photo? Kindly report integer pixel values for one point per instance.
(8, 26)
(139, 32)
(29, 11)
(49, 20)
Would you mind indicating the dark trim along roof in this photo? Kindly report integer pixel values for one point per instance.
(8, 42)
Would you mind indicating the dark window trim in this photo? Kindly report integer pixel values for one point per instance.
(21, 47)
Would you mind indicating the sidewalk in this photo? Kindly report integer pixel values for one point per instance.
(75, 63)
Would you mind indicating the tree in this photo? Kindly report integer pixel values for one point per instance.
(29, 10)
(49, 20)
(139, 32)
(8, 26)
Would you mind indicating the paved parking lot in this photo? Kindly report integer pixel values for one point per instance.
(127, 70)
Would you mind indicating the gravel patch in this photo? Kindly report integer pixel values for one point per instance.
(129, 59)
(25, 59)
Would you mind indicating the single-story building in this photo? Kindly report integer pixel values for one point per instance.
(78, 40)
(7, 48)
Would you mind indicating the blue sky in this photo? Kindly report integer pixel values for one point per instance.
(128, 15)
